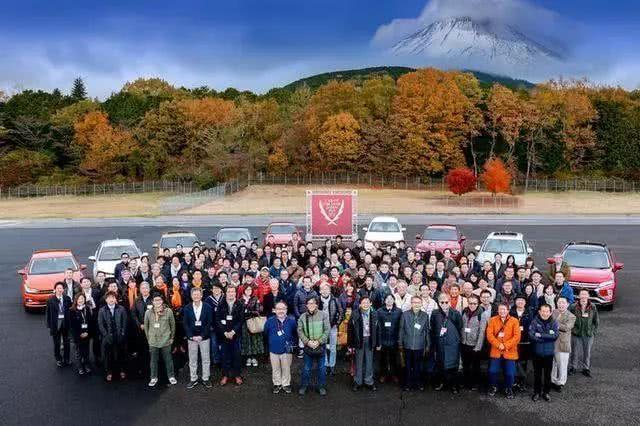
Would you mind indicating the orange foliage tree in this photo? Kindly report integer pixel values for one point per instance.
(104, 148)
(461, 180)
(339, 143)
(496, 177)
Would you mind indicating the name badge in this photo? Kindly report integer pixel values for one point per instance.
(501, 334)
(229, 317)
(198, 323)
(223, 322)
(417, 326)
(585, 315)
(467, 330)
(387, 323)
(60, 316)
(280, 332)
(443, 331)
(156, 325)
(521, 328)
(83, 326)
(551, 332)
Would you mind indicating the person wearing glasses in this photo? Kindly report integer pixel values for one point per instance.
(474, 325)
(446, 332)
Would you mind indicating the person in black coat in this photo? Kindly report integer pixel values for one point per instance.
(446, 332)
(228, 323)
(143, 303)
(82, 330)
(57, 315)
(112, 323)
(523, 314)
(124, 264)
(363, 338)
(388, 328)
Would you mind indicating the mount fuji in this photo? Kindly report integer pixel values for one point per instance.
(476, 43)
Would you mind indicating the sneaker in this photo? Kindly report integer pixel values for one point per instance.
(302, 391)
(492, 391)
(372, 388)
(586, 373)
(287, 389)
(81, 371)
(207, 383)
(254, 362)
(173, 381)
(153, 382)
(509, 393)
(455, 390)
(192, 384)
(546, 397)
(300, 354)
(277, 389)
(535, 397)
(87, 370)
(439, 387)
(59, 364)
(322, 392)
(248, 364)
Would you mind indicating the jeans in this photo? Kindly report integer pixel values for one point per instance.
(413, 368)
(166, 357)
(542, 373)
(560, 368)
(330, 358)
(231, 358)
(508, 367)
(308, 366)
(61, 336)
(203, 347)
(364, 364)
(581, 352)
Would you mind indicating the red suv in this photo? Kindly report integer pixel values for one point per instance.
(440, 237)
(280, 233)
(594, 268)
(44, 269)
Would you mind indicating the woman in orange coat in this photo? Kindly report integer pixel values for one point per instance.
(503, 334)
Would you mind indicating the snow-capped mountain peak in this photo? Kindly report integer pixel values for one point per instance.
(469, 40)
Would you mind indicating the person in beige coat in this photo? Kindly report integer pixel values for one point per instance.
(566, 320)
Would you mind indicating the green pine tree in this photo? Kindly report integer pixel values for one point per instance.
(79, 91)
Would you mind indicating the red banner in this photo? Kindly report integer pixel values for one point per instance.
(332, 214)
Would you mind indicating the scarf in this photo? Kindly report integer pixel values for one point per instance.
(164, 289)
(133, 295)
(176, 297)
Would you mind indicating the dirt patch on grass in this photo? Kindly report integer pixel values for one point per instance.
(78, 207)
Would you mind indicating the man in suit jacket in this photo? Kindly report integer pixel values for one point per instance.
(57, 315)
(71, 286)
(197, 322)
(498, 265)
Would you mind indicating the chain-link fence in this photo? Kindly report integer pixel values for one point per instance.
(176, 203)
(25, 191)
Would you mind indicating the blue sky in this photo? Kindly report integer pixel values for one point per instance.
(257, 45)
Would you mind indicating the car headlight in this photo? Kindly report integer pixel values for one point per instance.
(28, 289)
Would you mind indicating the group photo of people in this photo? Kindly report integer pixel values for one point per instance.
(387, 315)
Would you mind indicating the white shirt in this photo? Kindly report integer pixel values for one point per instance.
(197, 310)
(404, 303)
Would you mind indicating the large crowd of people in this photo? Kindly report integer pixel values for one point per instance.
(391, 315)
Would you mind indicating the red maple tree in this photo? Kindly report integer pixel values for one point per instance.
(461, 180)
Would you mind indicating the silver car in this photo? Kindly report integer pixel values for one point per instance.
(108, 255)
(230, 236)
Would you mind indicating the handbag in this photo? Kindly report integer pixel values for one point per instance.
(255, 325)
(313, 352)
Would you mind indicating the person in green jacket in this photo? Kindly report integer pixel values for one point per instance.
(583, 333)
(160, 328)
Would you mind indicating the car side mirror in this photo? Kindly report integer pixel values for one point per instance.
(365, 229)
(22, 272)
(551, 260)
(618, 266)
(529, 250)
(92, 258)
(477, 248)
(403, 229)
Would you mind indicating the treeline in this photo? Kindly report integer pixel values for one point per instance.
(424, 123)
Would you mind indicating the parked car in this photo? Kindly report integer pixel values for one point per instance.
(230, 236)
(170, 240)
(594, 268)
(440, 237)
(280, 233)
(384, 231)
(108, 254)
(42, 271)
(506, 243)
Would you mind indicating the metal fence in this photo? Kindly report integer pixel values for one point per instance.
(188, 200)
(95, 189)
(439, 183)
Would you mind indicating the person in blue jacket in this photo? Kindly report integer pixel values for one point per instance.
(543, 333)
(562, 287)
(197, 322)
(280, 331)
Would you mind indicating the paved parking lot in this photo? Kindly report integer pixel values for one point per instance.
(33, 390)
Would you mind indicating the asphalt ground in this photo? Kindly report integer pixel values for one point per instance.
(34, 391)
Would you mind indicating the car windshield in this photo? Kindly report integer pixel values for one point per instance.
(282, 229)
(173, 241)
(114, 252)
(587, 258)
(503, 246)
(233, 235)
(440, 234)
(52, 265)
(384, 227)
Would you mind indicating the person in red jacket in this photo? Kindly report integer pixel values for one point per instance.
(503, 334)
(262, 284)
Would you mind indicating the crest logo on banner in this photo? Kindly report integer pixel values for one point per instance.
(331, 213)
